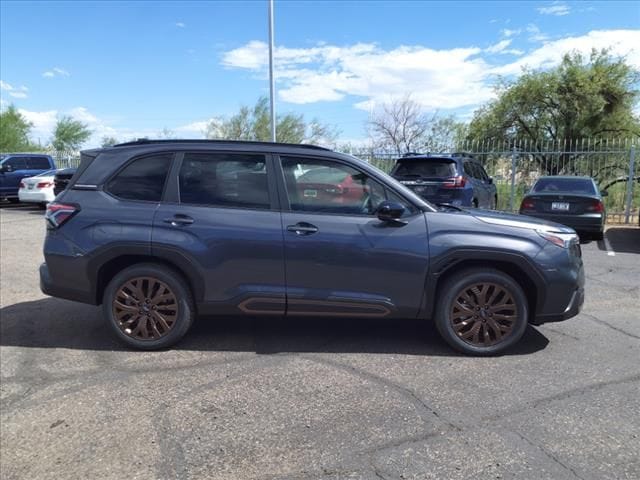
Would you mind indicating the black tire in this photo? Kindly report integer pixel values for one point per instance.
(474, 203)
(167, 283)
(496, 281)
(495, 202)
(598, 235)
(13, 200)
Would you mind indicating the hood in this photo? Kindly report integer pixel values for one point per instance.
(494, 217)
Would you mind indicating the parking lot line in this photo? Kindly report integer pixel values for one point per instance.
(607, 245)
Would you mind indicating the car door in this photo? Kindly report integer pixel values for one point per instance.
(10, 180)
(340, 259)
(489, 187)
(220, 219)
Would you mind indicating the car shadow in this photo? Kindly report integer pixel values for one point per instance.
(622, 240)
(55, 323)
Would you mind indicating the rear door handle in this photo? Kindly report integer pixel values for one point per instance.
(178, 220)
(303, 228)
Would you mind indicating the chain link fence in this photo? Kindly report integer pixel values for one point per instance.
(514, 167)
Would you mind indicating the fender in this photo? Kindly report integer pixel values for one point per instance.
(459, 256)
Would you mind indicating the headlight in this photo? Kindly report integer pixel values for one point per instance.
(562, 240)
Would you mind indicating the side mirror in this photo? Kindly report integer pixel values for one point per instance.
(604, 193)
(390, 212)
(490, 181)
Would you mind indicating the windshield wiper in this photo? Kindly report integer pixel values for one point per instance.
(444, 206)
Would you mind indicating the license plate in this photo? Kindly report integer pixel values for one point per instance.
(424, 190)
(563, 206)
(29, 187)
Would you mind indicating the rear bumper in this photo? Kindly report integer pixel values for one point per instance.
(36, 196)
(48, 287)
(588, 222)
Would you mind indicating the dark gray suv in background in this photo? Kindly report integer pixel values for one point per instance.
(161, 231)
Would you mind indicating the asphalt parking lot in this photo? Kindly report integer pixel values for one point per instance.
(319, 399)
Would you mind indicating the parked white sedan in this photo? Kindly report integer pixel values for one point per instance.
(38, 189)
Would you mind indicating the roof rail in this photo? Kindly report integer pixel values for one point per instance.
(148, 141)
(413, 154)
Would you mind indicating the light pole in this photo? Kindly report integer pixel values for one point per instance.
(272, 100)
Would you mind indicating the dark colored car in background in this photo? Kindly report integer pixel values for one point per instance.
(16, 166)
(457, 179)
(570, 200)
(62, 178)
(161, 231)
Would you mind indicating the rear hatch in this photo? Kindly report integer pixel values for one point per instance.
(431, 178)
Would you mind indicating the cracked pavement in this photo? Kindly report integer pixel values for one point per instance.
(264, 398)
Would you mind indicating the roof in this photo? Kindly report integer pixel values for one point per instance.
(147, 141)
(452, 156)
(567, 177)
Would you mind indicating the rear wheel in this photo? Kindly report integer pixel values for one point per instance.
(474, 203)
(13, 200)
(598, 235)
(148, 306)
(481, 312)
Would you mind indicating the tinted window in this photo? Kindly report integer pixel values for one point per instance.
(224, 179)
(17, 163)
(564, 185)
(435, 168)
(142, 179)
(468, 169)
(330, 187)
(38, 163)
(482, 174)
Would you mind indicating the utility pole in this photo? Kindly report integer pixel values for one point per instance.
(272, 99)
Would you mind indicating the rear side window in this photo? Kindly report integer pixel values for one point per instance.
(430, 168)
(142, 179)
(38, 163)
(225, 180)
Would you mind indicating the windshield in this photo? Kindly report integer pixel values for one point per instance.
(564, 185)
(432, 167)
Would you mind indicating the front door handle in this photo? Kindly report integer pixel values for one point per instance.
(178, 220)
(302, 228)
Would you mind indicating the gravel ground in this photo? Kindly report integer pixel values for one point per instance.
(319, 399)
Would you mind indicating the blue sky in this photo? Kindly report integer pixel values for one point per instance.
(130, 69)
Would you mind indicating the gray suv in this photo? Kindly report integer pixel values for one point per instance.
(161, 231)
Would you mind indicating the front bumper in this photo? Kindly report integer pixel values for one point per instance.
(573, 308)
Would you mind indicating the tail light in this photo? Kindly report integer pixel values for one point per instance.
(44, 184)
(455, 182)
(527, 204)
(597, 206)
(22, 185)
(59, 213)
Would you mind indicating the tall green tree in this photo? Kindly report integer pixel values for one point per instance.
(14, 131)
(253, 123)
(583, 97)
(69, 134)
(108, 141)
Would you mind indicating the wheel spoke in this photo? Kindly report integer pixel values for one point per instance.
(141, 320)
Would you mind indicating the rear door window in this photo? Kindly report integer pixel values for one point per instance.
(427, 168)
(38, 163)
(142, 179)
(233, 180)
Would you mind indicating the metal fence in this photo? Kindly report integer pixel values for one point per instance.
(515, 167)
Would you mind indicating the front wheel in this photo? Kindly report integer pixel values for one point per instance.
(148, 306)
(481, 312)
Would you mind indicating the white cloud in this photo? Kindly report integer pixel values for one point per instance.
(437, 79)
(535, 34)
(556, 8)
(180, 25)
(56, 72)
(621, 43)
(506, 32)
(194, 129)
(15, 92)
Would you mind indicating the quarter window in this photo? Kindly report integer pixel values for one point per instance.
(330, 187)
(224, 179)
(142, 179)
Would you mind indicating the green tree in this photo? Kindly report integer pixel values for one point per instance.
(580, 98)
(69, 134)
(14, 131)
(253, 123)
(108, 141)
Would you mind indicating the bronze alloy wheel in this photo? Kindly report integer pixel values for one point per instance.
(145, 308)
(483, 314)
